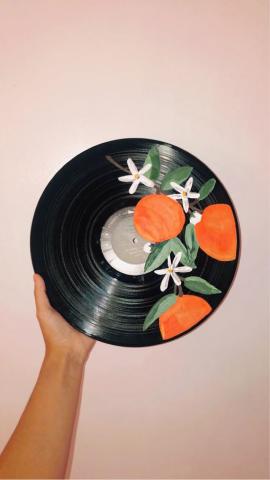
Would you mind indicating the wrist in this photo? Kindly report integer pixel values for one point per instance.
(62, 369)
(64, 357)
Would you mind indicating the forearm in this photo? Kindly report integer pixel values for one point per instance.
(39, 446)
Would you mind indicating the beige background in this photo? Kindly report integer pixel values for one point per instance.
(76, 73)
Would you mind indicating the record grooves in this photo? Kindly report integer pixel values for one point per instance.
(65, 242)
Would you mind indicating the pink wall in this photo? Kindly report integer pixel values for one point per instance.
(191, 72)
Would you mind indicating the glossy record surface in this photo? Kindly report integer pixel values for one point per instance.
(65, 243)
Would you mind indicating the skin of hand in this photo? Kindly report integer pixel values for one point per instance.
(40, 444)
(57, 333)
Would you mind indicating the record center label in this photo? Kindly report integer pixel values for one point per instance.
(121, 245)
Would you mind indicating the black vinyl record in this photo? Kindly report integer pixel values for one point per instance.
(102, 301)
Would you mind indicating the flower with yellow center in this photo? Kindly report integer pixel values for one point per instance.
(137, 176)
(171, 271)
(184, 193)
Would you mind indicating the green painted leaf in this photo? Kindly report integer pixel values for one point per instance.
(190, 261)
(160, 251)
(194, 253)
(178, 246)
(178, 175)
(207, 188)
(158, 308)
(158, 255)
(198, 284)
(191, 241)
(189, 236)
(154, 160)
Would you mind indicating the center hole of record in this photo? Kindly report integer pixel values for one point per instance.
(121, 245)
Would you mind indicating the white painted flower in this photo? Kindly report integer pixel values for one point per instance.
(147, 247)
(171, 271)
(137, 176)
(195, 218)
(184, 193)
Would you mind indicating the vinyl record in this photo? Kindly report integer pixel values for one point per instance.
(137, 240)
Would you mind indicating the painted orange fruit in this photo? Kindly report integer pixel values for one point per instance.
(158, 217)
(216, 232)
(186, 312)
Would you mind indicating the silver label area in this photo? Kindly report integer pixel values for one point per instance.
(121, 245)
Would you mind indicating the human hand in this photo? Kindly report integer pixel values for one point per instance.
(59, 336)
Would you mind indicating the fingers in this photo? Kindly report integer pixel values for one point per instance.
(41, 299)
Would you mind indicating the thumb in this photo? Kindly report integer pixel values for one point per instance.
(41, 299)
